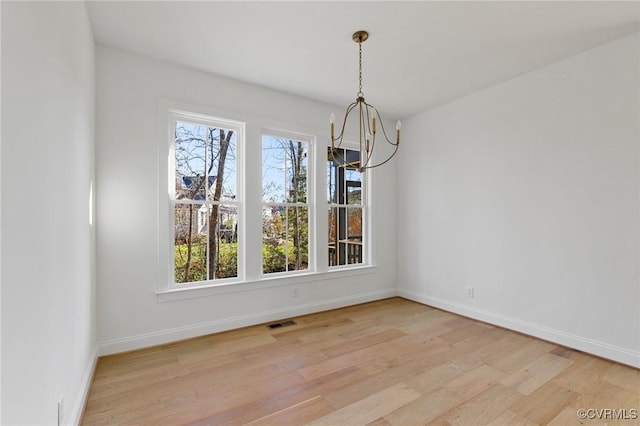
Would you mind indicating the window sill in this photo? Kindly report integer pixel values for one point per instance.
(260, 284)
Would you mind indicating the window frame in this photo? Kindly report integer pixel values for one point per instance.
(365, 194)
(310, 202)
(249, 185)
(239, 128)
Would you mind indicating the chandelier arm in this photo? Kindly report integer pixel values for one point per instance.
(368, 153)
(340, 157)
(373, 115)
(381, 125)
(365, 164)
(395, 150)
(386, 137)
(363, 118)
(344, 124)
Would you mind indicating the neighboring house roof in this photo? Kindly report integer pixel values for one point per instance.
(189, 184)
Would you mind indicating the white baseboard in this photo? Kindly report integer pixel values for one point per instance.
(75, 417)
(601, 349)
(180, 333)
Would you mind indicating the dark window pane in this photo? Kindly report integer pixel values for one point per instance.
(344, 188)
(354, 192)
(333, 236)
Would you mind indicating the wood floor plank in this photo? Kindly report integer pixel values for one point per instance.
(362, 357)
(322, 330)
(567, 417)
(434, 378)
(236, 396)
(470, 383)
(481, 354)
(584, 373)
(392, 361)
(545, 403)
(464, 330)
(365, 329)
(484, 407)
(253, 409)
(605, 395)
(378, 382)
(467, 351)
(536, 373)
(362, 342)
(380, 421)
(426, 320)
(509, 418)
(624, 377)
(297, 414)
(425, 408)
(224, 348)
(439, 422)
(525, 353)
(371, 407)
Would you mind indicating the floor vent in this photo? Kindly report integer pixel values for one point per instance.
(281, 324)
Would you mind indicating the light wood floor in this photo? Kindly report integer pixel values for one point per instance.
(388, 362)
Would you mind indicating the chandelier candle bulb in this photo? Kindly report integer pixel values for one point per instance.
(373, 121)
(368, 140)
(332, 120)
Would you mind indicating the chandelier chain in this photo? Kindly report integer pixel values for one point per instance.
(360, 94)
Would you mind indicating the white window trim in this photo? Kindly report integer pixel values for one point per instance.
(303, 278)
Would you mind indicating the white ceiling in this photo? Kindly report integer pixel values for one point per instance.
(419, 54)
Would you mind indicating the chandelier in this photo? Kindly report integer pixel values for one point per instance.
(368, 118)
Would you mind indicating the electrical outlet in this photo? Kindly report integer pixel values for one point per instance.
(295, 292)
(60, 410)
(470, 292)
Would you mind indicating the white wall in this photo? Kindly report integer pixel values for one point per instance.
(131, 256)
(529, 192)
(48, 293)
(0, 216)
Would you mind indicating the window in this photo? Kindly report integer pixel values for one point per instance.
(285, 203)
(346, 207)
(205, 198)
(237, 216)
